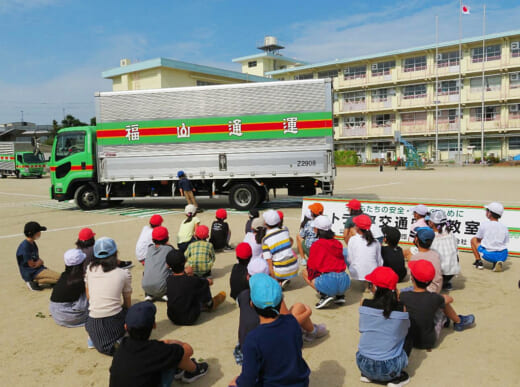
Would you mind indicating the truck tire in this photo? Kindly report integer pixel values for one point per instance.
(243, 197)
(17, 174)
(86, 197)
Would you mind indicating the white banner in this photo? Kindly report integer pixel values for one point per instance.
(464, 219)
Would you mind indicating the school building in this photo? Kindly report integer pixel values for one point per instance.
(377, 95)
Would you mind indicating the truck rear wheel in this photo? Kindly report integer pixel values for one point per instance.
(243, 197)
(86, 197)
(17, 174)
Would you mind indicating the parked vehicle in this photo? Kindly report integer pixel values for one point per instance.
(21, 159)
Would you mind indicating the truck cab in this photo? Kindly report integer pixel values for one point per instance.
(29, 164)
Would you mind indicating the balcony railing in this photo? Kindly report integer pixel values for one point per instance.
(354, 132)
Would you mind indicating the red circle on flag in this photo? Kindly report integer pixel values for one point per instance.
(465, 9)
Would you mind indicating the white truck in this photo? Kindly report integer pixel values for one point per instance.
(239, 140)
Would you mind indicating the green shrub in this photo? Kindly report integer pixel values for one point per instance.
(345, 157)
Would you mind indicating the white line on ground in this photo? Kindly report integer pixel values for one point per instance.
(21, 194)
(371, 186)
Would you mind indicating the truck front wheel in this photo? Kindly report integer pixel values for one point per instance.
(243, 197)
(86, 197)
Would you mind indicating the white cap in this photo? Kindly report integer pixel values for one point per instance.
(421, 209)
(495, 207)
(256, 266)
(74, 257)
(438, 217)
(257, 223)
(271, 218)
(190, 209)
(308, 214)
(322, 223)
(376, 231)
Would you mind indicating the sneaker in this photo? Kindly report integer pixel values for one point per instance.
(324, 301)
(218, 299)
(498, 266)
(340, 300)
(364, 379)
(34, 286)
(285, 283)
(478, 264)
(319, 331)
(465, 322)
(90, 344)
(190, 377)
(178, 374)
(228, 248)
(125, 264)
(447, 286)
(401, 380)
(148, 298)
(164, 298)
(302, 261)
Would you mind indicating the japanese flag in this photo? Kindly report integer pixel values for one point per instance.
(465, 10)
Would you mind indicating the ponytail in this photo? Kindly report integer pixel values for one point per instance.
(189, 218)
(322, 234)
(367, 234)
(260, 234)
(304, 222)
(386, 299)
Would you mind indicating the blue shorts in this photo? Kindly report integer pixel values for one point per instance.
(332, 284)
(493, 256)
(381, 370)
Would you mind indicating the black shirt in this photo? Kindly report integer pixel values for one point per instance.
(219, 234)
(185, 184)
(249, 319)
(394, 259)
(422, 307)
(139, 363)
(238, 279)
(186, 294)
(377, 304)
(248, 225)
(62, 292)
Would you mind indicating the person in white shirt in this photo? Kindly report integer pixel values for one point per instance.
(145, 238)
(254, 237)
(492, 239)
(364, 252)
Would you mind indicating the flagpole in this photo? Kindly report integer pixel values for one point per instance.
(460, 83)
(436, 88)
(482, 121)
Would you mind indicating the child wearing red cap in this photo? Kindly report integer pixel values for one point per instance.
(220, 233)
(155, 270)
(86, 242)
(364, 252)
(354, 207)
(238, 280)
(200, 254)
(145, 238)
(427, 310)
(383, 324)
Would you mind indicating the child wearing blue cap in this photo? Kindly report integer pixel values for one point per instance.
(272, 351)
(423, 240)
(140, 361)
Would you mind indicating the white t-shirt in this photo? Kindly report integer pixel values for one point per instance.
(144, 241)
(256, 247)
(105, 290)
(494, 235)
(363, 259)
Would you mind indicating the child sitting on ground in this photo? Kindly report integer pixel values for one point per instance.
(140, 361)
(423, 240)
(254, 238)
(326, 265)
(427, 310)
(155, 270)
(188, 295)
(273, 350)
(187, 229)
(145, 238)
(238, 280)
(220, 233)
(200, 254)
(392, 254)
(364, 252)
(307, 236)
(383, 324)
(252, 215)
(85, 243)
(492, 239)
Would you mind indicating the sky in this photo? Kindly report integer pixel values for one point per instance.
(52, 52)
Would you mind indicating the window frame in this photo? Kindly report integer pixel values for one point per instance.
(417, 64)
(416, 94)
(477, 53)
(448, 59)
(355, 72)
(382, 68)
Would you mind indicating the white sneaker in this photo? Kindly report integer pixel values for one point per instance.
(498, 266)
(148, 298)
(364, 379)
(164, 298)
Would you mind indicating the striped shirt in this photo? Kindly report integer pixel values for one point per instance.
(200, 255)
(276, 246)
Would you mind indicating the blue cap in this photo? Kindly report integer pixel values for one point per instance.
(180, 173)
(104, 248)
(425, 234)
(141, 315)
(265, 291)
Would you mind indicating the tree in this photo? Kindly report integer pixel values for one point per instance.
(71, 121)
(93, 121)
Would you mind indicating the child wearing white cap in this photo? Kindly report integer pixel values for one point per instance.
(187, 229)
(492, 239)
(69, 305)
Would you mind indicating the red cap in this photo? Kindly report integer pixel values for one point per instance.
(422, 270)
(363, 222)
(156, 220)
(202, 232)
(86, 234)
(221, 214)
(383, 277)
(159, 233)
(243, 251)
(354, 204)
(280, 214)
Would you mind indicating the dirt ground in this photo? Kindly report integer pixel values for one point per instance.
(35, 351)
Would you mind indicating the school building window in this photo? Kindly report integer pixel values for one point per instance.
(382, 95)
(514, 111)
(382, 68)
(354, 97)
(447, 59)
(421, 146)
(327, 74)
(413, 119)
(251, 63)
(355, 72)
(493, 52)
(417, 63)
(383, 120)
(447, 116)
(514, 80)
(492, 83)
(355, 122)
(382, 147)
(515, 49)
(448, 87)
(205, 83)
(489, 143)
(514, 143)
(335, 121)
(300, 77)
(448, 145)
(358, 148)
(491, 113)
(414, 91)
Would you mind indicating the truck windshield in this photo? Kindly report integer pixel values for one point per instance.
(31, 158)
(68, 144)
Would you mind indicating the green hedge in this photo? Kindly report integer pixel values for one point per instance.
(345, 157)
